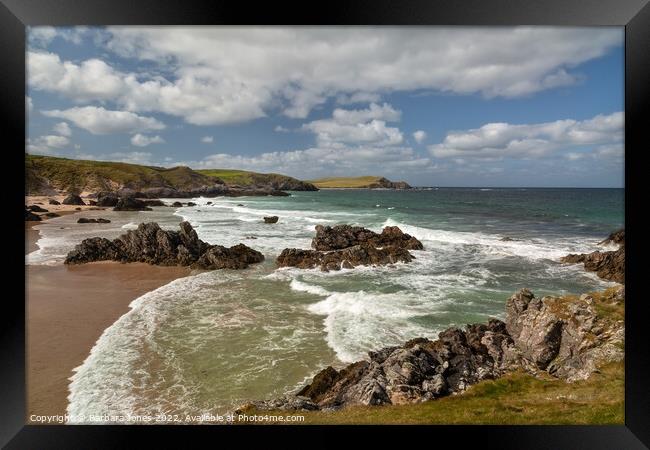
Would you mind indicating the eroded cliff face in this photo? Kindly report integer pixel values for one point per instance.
(568, 338)
(609, 265)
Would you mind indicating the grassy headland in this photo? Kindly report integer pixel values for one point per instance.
(365, 182)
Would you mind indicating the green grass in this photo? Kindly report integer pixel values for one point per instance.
(246, 178)
(515, 399)
(345, 182)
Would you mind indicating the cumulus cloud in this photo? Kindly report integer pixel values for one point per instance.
(281, 129)
(357, 126)
(62, 129)
(140, 140)
(218, 75)
(45, 144)
(98, 120)
(207, 139)
(419, 136)
(499, 140)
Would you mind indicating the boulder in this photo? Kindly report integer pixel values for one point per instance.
(36, 208)
(191, 204)
(343, 236)
(154, 202)
(153, 245)
(53, 202)
(271, 219)
(177, 204)
(31, 217)
(51, 215)
(107, 199)
(73, 199)
(99, 220)
(131, 204)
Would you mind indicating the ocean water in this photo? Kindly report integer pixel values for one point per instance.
(209, 342)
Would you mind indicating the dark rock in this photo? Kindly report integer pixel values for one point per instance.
(177, 204)
(73, 199)
(239, 204)
(92, 202)
(131, 204)
(53, 202)
(107, 199)
(77, 209)
(52, 215)
(153, 245)
(271, 219)
(36, 208)
(208, 203)
(31, 217)
(191, 204)
(85, 220)
(343, 236)
(607, 265)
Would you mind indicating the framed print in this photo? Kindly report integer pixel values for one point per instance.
(380, 214)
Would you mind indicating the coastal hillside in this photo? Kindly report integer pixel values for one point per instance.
(46, 175)
(366, 182)
(245, 178)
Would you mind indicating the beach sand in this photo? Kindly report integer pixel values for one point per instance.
(67, 309)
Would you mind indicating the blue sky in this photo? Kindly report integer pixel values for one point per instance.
(527, 106)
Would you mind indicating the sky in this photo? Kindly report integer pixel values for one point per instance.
(434, 106)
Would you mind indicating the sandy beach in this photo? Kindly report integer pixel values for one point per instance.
(67, 309)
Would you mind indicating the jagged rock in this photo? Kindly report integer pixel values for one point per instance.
(73, 199)
(31, 217)
(567, 338)
(345, 247)
(607, 265)
(53, 202)
(564, 336)
(271, 219)
(343, 236)
(107, 199)
(36, 208)
(153, 245)
(131, 204)
(99, 220)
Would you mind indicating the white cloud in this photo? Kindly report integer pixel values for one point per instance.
(141, 140)
(45, 144)
(144, 158)
(207, 139)
(498, 140)
(419, 136)
(98, 120)
(358, 126)
(62, 128)
(44, 35)
(281, 129)
(218, 75)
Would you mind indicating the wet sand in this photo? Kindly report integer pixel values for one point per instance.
(67, 309)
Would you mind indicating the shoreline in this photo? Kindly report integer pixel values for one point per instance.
(67, 309)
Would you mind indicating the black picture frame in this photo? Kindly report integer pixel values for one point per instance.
(634, 15)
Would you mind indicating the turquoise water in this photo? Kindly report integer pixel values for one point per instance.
(209, 342)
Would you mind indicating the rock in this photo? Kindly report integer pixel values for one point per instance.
(208, 203)
(73, 199)
(239, 204)
(77, 209)
(131, 204)
(92, 202)
(154, 202)
(36, 208)
(567, 338)
(177, 204)
(191, 204)
(271, 219)
(152, 245)
(31, 217)
(52, 214)
(53, 202)
(607, 265)
(85, 220)
(343, 236)
(107, 199)
(345, 247)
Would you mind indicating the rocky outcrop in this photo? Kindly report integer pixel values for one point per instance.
(153, 245)
(561, 336)
(566, 338)
(131, 204)
(271, 219)
(86, 220)
(385, 183)
(31, 217)
(73, 199)
(607, 265)
(36, 208)
(345, 247)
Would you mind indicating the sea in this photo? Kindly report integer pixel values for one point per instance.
(212, 341)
